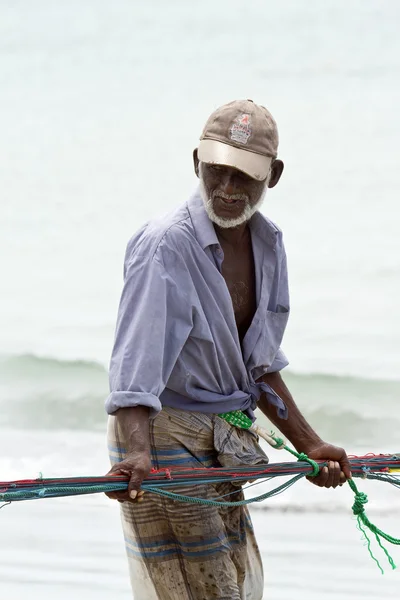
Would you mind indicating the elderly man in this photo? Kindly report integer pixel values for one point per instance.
(202, 316)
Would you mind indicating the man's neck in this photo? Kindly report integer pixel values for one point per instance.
(234, 236)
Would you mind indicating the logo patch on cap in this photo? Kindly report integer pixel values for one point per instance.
(240, 130)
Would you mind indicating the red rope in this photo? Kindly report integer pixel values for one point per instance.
(177, 473)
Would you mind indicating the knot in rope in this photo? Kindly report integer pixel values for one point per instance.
(359, 500)
(303, 457)
(279, 442)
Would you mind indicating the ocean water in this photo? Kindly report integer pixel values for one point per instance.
(101, 106)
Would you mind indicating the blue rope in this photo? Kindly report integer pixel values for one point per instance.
(194, 500)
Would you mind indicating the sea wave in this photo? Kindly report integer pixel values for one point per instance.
(47, 392)
(41, 392)
(36, 365)
(32, 364)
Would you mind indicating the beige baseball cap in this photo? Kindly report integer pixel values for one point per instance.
(243, 135)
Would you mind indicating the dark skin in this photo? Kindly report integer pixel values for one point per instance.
(238, 268)
(221, 182)
(238, 264)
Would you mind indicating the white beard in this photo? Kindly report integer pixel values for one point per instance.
(226, 222)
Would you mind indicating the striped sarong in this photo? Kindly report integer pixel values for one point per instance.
(181, 551)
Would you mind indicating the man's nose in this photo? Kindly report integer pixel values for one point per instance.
(228, 183)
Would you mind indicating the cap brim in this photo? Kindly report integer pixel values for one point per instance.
(255, 165)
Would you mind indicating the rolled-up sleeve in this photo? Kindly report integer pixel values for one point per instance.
(153, 324)
(280, 362)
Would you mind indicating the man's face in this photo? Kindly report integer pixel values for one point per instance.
(231, 197)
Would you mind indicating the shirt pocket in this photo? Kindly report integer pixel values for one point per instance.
(273, 330)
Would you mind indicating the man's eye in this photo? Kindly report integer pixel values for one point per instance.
(216, 168)
(244, 177)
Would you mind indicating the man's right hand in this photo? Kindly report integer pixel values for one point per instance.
(136, 465)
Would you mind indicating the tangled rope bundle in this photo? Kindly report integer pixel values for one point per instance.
(381, 467)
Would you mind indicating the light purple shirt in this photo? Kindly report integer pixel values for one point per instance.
(176, 340)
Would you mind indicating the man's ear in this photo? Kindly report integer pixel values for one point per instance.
(196, 162)
(277, 170)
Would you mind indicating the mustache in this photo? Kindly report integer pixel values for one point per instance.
(221, 194)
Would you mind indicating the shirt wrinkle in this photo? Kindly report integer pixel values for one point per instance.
(176, 341)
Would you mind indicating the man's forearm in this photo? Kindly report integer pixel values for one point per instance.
(134, 425)
(295, 427)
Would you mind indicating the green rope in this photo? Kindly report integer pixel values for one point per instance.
(360, 499)
(280, 443)
(240, 420)
(358, 508)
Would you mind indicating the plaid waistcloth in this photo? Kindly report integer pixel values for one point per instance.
(180, 551)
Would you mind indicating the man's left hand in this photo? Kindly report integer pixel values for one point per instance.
(338, 470)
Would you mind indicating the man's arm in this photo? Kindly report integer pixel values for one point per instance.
(303, 437)
(133, 423)
(152, 327)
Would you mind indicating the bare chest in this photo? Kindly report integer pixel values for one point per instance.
(239, 274)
